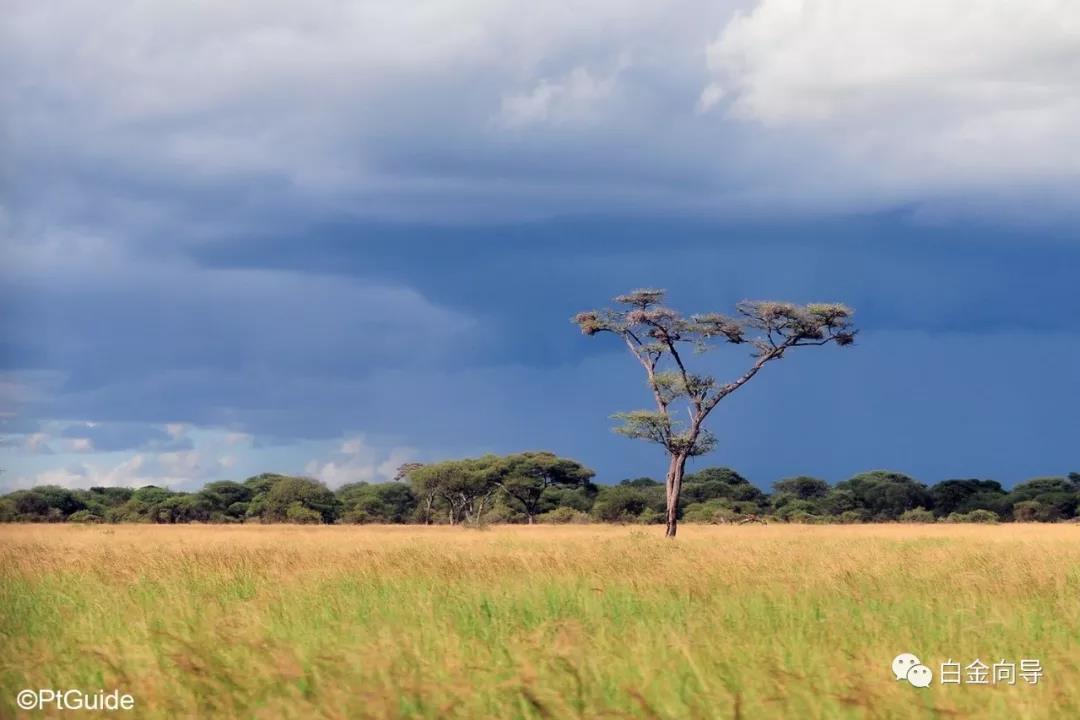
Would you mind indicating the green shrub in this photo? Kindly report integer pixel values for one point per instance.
(713, 512)
(356, 517)
(983, 516)
(84, 516)
(800, 517)
(799, 507)
(975, 516)
(917, 515)
(564, 516)
(297, 513)
(850, 517)
(502, 514)
(649, 516)
(1034, 511)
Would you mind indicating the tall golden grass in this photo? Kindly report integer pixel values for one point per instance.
(539, 622)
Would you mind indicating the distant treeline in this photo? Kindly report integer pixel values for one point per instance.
(542, 487)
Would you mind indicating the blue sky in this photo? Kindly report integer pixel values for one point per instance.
(329, 239)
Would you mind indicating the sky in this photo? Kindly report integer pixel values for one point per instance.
(328, 238)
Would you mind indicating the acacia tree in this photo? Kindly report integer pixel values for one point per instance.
(527, 475)
(466, 487)
(656, 335)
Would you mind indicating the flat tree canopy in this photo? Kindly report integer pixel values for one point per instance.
(658, 336)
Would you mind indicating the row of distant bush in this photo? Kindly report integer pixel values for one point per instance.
(542, 487)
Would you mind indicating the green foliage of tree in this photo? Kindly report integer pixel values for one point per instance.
(714, 512)
(963, 496)
(463, 489)
(641, 482)
(29, 505)
(184, 508)
(262, 484)
(563, 516)
(526, 476)
(503, 511)
(223, 494)
(112, 496)
(300, 514)
(502, 489)
(131, 511)
(842, 500)
(802, 487)
(391, 502)
(849, 517)
(885, 495)
(59, 498)
(273, 506)
(723, 475)
(1033, 511)
(792, 506)
(627, 503)
(804, 518)
(151, 494)
(1058, 497)
(720, 482)
(579, 498)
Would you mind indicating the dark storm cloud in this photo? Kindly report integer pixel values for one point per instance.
(305, 221)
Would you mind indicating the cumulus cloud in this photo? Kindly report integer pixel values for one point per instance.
(578, 97)
(916, 99)
(166, 469)
(357, 460)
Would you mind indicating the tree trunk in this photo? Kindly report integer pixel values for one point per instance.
(430, 508)
(673, 487)
(532, 518)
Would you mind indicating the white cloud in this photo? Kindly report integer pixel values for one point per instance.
(172, 469)
(710, 97)
(80, 444)
(131, 472)
(578, 97)
(37, 442)
(915, 99)
(359, 461)
(182, 464)
(176, 430)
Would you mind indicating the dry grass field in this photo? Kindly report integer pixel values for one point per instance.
(539, 622)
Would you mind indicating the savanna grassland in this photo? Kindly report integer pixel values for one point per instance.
(537, 622)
